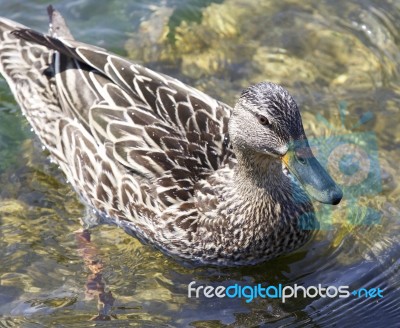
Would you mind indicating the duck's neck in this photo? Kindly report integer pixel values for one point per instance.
(268, 193)
(259, 213)
(260, 171)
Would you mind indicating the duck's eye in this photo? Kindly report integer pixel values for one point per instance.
(262, 120)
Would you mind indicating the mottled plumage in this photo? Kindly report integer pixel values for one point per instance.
(153, 156)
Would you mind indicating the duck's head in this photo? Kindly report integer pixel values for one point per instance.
(267, 121)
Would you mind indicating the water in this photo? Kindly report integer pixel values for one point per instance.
(340, 60)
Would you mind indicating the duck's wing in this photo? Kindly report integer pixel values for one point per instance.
(156, 126)
(185, 108)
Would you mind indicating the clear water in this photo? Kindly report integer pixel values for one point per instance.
(341, 61)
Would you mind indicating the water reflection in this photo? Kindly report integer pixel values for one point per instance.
(335, 56)
(95, 286)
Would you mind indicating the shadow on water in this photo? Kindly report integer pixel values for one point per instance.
(339, 59)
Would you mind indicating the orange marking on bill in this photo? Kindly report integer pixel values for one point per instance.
(285, 159)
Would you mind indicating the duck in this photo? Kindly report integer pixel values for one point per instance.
(199, 180)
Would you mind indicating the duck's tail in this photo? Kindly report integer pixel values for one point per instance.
(20, 58)
(29, 71)
(32, 71)
(57, 25)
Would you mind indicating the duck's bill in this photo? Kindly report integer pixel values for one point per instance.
(313, 177)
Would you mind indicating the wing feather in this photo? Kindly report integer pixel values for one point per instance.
(132, 139)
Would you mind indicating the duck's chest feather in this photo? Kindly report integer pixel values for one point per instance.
(244, 222)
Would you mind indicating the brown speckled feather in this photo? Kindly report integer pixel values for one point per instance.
(146, 151)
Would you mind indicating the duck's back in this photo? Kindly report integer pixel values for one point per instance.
(128, 139)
